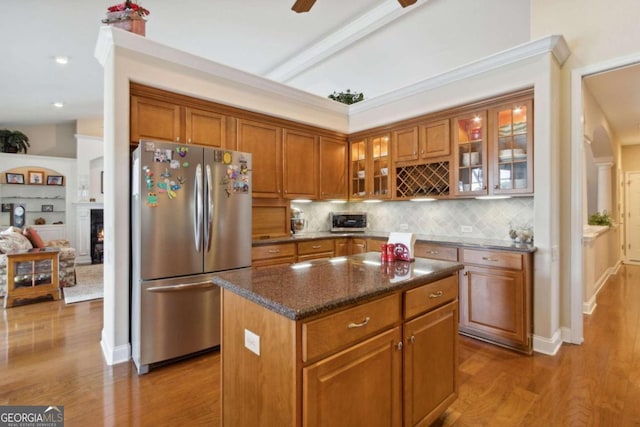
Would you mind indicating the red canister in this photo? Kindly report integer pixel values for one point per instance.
(391, 257)
(383, 253)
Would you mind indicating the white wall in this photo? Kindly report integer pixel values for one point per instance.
(55, 140)
(90, 165)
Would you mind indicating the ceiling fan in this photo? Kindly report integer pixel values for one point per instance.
(305, 5)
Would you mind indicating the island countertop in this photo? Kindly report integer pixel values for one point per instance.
(305, 289)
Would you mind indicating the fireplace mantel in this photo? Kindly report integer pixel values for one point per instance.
(83, 230)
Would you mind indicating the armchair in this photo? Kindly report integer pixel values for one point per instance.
(13, 239)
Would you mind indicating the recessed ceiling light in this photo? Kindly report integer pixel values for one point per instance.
(58, 104)
(62, 60)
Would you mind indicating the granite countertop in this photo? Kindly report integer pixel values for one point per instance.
(301, 290)
(469, 242)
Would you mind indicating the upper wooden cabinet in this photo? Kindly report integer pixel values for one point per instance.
(203, 127)
(154, 119)
(264, 142)
(370, 167)
(300, 172)
(333, 169)
(512, 147)
(425, 141)
(173, 122)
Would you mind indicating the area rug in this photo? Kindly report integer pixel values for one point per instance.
(89, 279)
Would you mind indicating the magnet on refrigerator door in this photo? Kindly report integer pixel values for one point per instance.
(175, 164)
(162, 155)
(182, 151)
(152, 200)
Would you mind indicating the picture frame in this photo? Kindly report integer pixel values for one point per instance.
(47, 208)
(15, 178)
(35, 177)
(7, 207)
(55, 180)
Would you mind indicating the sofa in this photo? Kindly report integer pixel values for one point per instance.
(14, 239)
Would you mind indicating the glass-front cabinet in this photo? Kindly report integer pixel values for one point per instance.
(512, 148)
(470, 153)
(370, 167)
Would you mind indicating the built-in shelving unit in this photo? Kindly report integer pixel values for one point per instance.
(40, 201)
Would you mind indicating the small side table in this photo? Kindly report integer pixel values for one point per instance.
(32, 274)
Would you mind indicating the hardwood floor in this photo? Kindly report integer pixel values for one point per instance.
(50, 355)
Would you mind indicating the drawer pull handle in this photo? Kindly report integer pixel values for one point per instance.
(316, 246)
(434, 252)
(359, 325)
(274, 251)
(436, 295)
(486, 258)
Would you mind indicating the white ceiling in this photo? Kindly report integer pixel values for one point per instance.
(373, 46)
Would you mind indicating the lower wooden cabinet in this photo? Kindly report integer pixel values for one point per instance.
(357, 384)
(273, 255)
(496, 297)
(358, 246)
(430, 365)
(315, 249)
(350, 246)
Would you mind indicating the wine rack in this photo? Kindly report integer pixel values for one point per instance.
(423, 180)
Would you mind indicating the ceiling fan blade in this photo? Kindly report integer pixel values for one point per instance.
(304, 5)
(405, 3)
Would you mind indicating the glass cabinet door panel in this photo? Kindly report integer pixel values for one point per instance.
(470, 137)
(380, 165)
(513, 148)
(358, 168)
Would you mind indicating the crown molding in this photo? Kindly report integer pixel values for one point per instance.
(550, 44)
(347, 35)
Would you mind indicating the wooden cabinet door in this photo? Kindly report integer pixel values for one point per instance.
(343, 247)
(379, 166)
(405, 144)
(333, 169)
(358, 246)
(153, 119)
(300, 173)
(265, 143)
(493, 305)
(357, 384)
(203, 127)
(430, 365)
(434, 139)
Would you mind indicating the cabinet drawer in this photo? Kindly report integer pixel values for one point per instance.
(444, 253)
(327, 334)
(510, 260)
(426, 297)
(310, 257)
(273, 251)
(315, 246)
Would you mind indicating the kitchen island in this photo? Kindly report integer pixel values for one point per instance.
(341, 342)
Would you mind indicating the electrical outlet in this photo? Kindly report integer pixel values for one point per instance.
(404, 226)
(252, 341)
(466, 229)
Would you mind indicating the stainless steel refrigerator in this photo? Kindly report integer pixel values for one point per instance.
(191, 217)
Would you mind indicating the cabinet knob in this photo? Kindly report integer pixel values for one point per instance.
(189, 141)
(177, 139)
(466, 273)
(399, 345)
(412, 339)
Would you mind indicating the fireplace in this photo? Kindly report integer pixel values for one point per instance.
(97, 236)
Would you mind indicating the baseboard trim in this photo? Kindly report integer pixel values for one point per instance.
(589, 307)
(115, 355)
(549, 346)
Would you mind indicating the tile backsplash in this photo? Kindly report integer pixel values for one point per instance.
(488, 219)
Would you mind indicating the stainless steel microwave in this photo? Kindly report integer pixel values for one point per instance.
(348, 221)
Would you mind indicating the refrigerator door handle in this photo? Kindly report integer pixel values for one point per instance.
(182, 287)
(197, 220)
(209, 200)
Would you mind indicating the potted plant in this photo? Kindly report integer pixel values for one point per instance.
(347, 97)
(128, 15)
(13, 141)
